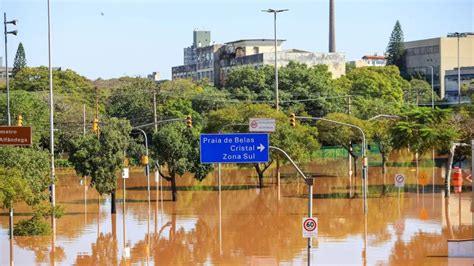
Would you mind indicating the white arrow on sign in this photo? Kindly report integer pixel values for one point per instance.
(261, 147)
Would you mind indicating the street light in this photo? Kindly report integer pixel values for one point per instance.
(365, 161)
(432, 86)
(458, 35)
(275, 11)
(384, 115)
(13, 32)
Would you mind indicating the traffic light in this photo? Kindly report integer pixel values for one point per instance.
(144, 160)
(189, 121)
(292, 120)
(95, 125)
(19, 120)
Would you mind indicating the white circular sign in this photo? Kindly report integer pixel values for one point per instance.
(310, 225)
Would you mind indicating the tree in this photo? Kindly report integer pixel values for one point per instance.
(177, 148)
(31, 186)
(203, 98)
(299, 142)
(335, 134)
(65, 81)
(20, 60)
(422, 129)
(419, 91)
(384, 139)
(396, 49)
(133, 100)
(34, 110)
(376, 90)
(13, 188)
(101, 157)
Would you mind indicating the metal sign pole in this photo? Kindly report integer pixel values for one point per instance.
(309, 182)
(472, 183)
(219, 177)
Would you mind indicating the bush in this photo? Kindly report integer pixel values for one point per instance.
(32, 227)
(63, 163)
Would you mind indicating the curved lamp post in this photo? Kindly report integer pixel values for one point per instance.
(365, 161)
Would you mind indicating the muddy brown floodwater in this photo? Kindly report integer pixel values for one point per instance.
(247, 225)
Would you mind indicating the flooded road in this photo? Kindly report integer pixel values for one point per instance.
(247, 225)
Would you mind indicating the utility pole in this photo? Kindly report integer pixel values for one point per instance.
(51, 123)
(154, 112)
(459, 75)
(84, 119)
(275, 11)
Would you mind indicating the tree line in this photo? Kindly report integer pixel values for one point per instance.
(127, 102)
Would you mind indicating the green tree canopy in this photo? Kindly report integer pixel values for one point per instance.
(132, 99)
(203, 98)
(20, 60)
(13, 188)
(375, 90)
(423, 129)
(64, 81)
(396, 48)
(30, 186)
(419, 92)
(177, 147)
(101, 157)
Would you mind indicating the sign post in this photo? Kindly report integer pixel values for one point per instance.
(234, 148)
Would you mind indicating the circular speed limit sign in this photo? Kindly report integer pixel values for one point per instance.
(310, 227)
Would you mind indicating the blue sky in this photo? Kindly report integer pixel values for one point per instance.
(137, 37)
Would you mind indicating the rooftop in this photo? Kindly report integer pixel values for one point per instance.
(257, 41)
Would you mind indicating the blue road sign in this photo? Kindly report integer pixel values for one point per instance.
(234, 148)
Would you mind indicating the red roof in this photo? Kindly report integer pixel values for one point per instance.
(374, 57)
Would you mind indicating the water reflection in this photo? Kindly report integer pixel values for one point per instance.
(243, 225)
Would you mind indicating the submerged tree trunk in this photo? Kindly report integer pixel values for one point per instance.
(260, 175)
(384, 163)
(449, 166)
(260, 172)
(114, 226)
(171, 178)
(174, 190)
(113, 208)
(354, 158)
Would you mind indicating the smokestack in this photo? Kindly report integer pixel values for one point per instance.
(332, 30)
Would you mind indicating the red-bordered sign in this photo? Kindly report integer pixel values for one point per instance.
(310, 227)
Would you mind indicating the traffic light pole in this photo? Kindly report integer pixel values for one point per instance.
(147, 166)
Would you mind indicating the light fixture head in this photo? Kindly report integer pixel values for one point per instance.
(14, 22)
(13, 32)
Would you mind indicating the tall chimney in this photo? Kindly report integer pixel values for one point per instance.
(332, 30)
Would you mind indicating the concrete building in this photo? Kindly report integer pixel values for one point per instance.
(3, 75)
(441, 54)
(214, 62)
(200, 39)
(451, 80)
(370, 60)
(155, 76)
